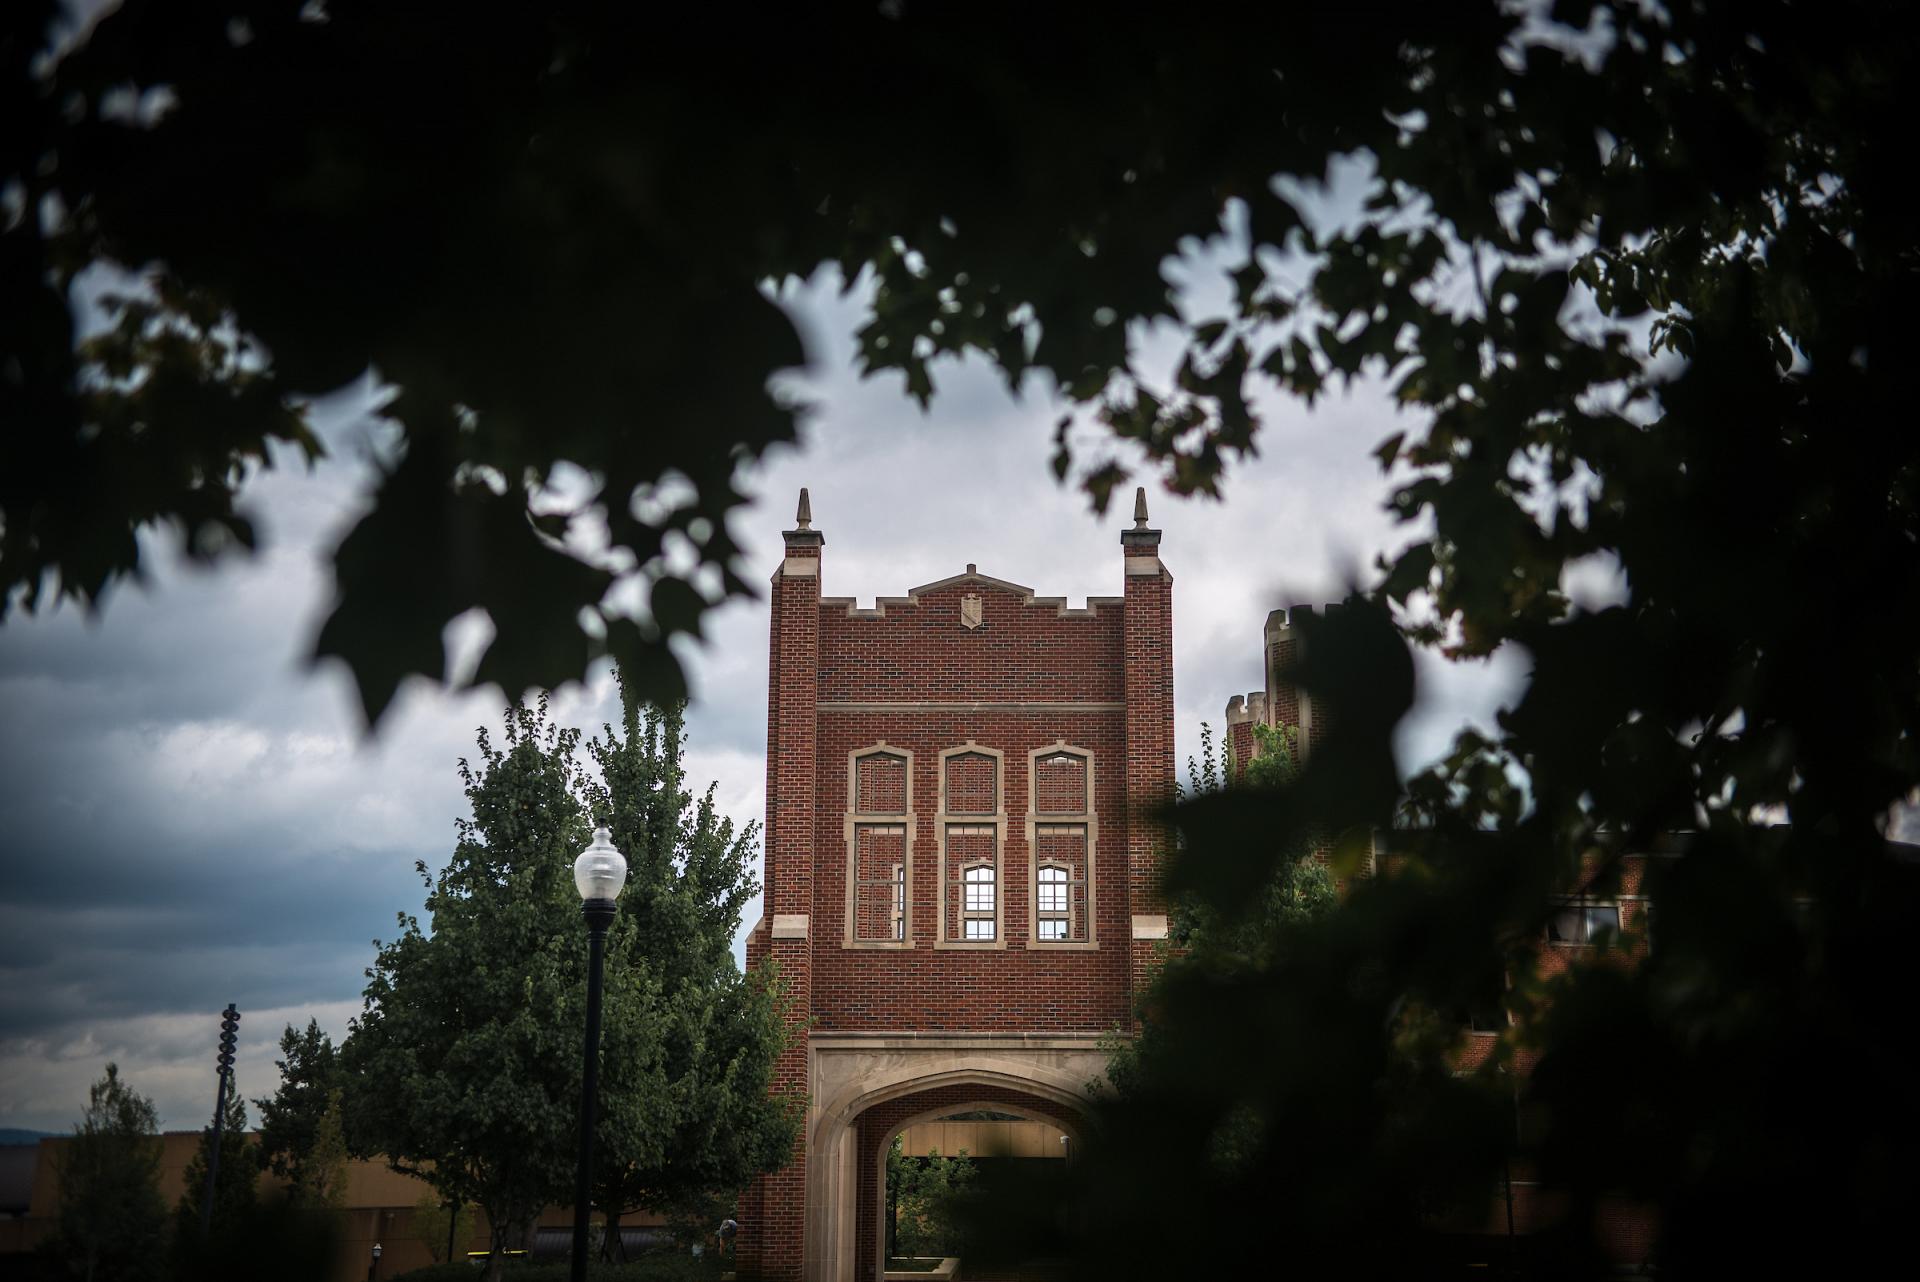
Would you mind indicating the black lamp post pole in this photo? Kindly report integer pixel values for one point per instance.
(213, 1157)
(599, 914)
(229, 1033)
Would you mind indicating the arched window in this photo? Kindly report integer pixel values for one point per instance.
(972, 826)
(980, 901)
(1062, 835)
(1054, 904)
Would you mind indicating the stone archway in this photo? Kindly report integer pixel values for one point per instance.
(875, 1128)
(867, 1088)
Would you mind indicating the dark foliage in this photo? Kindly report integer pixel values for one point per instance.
(270, 1238)
(234, 1192)
(290, 1118)
(550, 234)
(111, 1223)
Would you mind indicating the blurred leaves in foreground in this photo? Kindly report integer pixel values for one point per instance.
(1639, 276)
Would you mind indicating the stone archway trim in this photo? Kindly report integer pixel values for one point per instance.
(852, 1073)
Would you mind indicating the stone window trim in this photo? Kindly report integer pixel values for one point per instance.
(958, 879)
(995, 824)
(855, 820)
(1045, 910)
(1086, 820)
(979, 877)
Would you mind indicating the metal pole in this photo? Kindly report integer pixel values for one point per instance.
(229, 1036)
(599, 914)
(213, 1157)
(453, 1221)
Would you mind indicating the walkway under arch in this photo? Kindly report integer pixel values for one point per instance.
(868, 1089)
(877, 1126)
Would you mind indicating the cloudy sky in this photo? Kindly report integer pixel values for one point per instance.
(190, 816)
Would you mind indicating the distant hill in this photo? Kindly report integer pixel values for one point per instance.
(14, 1135)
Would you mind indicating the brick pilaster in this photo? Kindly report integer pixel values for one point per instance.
(772, 1232)
(1147, 653)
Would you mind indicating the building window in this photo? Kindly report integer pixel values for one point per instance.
(1062, 834)
(972, 832)
(973, 896)
(1060, 885)
(980, 903)
(899, 901)
(1053, 905)
(1582, 923)
(879, 835)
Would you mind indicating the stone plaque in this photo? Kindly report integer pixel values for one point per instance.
(970, 612)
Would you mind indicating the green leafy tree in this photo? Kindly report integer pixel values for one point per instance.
(464, 1066)
(291, 1118)
(235, 1191)
(686, 1116)
(923, 1198)
(1302, 885)
(1203, 939)
(438, 1223)
(323, 1172)
(111, 1221)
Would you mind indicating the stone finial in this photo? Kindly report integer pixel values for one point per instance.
(1140, 507)
(803, 518)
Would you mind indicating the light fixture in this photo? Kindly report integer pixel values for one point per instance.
(601, 870)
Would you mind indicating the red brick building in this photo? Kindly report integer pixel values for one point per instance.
(961, 893)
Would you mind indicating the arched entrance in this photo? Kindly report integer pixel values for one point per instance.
(877, 1126)
(869, 1089)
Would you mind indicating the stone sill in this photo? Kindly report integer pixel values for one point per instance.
(948, 1269)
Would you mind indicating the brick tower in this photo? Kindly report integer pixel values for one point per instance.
(1282, 705)
(961, 884)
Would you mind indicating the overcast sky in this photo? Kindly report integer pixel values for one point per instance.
(189, 816)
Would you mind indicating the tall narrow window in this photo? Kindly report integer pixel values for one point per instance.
(880, 882)
(980, 902)
(1060, 886)
(972, 822)
(1062, 835)
(973, 890)
(1052, 904)
(879, 835)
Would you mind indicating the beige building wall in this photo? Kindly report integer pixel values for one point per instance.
(984, 1139)
(379, 1208)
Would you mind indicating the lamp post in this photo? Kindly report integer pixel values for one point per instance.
(598, 874)
(229, 1037)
